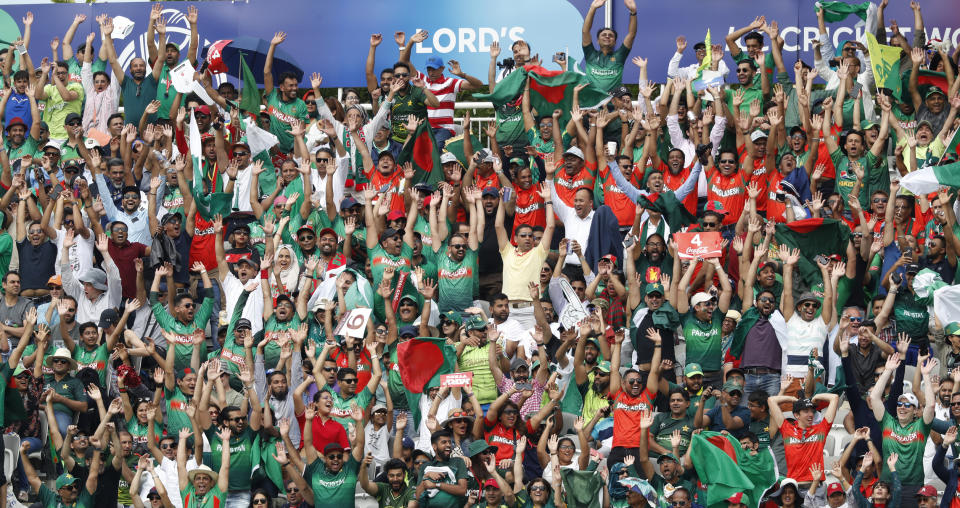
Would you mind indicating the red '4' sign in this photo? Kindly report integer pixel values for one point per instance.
(698, 245)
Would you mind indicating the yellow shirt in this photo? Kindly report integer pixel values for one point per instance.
(521, 269)
(477, 360)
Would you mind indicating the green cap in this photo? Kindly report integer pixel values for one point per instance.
(518, 161)
(692, 369)
(603, 366)
(594, 341)
(479, 446)
(65, 479)
(476, 322)
(867, 125)
(653, 287)
(951, 329)
(667, 456)
(934, 90)
(452, 315)
(732, 386)
(19, 370)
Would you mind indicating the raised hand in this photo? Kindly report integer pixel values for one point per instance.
(278, 38)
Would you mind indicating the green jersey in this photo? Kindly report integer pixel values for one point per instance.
(876, 177)
(761, 428)
(95, 359)
(605, 71)
(664, 425)
(165, 92)
(380, 258)
(50, 499)
(177, 417)
(455, 470)
(139, 430)
(69, 387)
(908, 441)
(386, 499)
(282, 114)
(214, 498)
(74, 66)
(342, 406)
(509, 118)
(241, 456)
(412, 102)
(183, 332)
(911, 316)
(57, 108)
(273, 330)
(29, 147)
(337, 490)
(703, 339)
(457, 281)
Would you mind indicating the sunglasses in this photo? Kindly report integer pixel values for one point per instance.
(189, 305)
(238, 419)
(711, 224)
(352, 380)
(329, 369)
(119, 230)
(401, 75)
(906, 404)
(743, 70)
(70, 487)
(538, 488)
(293, 489)
(524, 235)
(458, 247)
(728, 161)
(74, 123)
(510, 412)
(766, 299)
(306, 237)
(323, 160)
(880, 200)
(634, 381)
(855, 319)
(58, 360)
(240, 154)
(51, 287)
(72, 169)
(153, 498)
(259, 500)
(166, 446)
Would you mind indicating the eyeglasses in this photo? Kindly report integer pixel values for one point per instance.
(259, 500)
(381, 331)
(351, 380)
(240, 154)
(567, 447)
(711, 224)
(728, 161)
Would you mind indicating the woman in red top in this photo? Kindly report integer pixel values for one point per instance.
(503, 427)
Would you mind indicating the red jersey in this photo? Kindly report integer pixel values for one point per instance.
(482, 182)
(530, 208)
(621, 205)
(776, 210)
(567, 185)
(505, 439)
(378, 180)
(627, 412)
(757, 176)
(202, 248)
(730, 191)
(675, 181)
(364, 367)
(803, 448)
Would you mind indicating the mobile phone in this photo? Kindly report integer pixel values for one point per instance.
(524, 386)
(628, 241)
(560, 55)
(507, 194)
(781, 197)
(896, 279)
(384, 189)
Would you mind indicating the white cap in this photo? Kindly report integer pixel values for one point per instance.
(757, 134)
(699, 298)
(575, 152)
(90, 143)
(448, 157)
(52, 144)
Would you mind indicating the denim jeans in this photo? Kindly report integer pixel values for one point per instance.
(64, 420)
(769, 383)
(20, 475)
(441, 136)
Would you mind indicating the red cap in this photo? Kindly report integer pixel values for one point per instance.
(16, 121)
(206, 137)
(927, 491)
(427, 200)
(490, 483)
(308, 94)
(204, 110)
(395, 215)
(611, 258)
(327, 231)
(834, 488)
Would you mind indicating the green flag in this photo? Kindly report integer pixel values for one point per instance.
(838, 11)
(582, 488)
(454, 145)
(549, 90)
(885, 62)
(727, 469)
(209, 201)
(250, 96)
(421, 362)
(813, 237)
(422, 151)
(673, 211)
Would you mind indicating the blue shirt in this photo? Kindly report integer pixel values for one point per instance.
(716, 420)
(18, 105)
(138, 221)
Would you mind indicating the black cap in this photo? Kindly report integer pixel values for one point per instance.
(243, 324)
(71, 117)
(390, 233)
(912, 268)
(802, 404)
(169, 217)
(108, 318)
(621, 91)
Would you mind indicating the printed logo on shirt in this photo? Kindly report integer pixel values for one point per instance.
(907, 439)
(280, 115)
(460, 273)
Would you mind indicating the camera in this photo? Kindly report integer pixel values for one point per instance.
(507, 64)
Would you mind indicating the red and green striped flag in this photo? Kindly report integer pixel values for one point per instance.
(727, 469)
(423, 153)
(549, 90)
(930, 179)
(422, 361)
(813, 237)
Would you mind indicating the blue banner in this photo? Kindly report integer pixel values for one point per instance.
(332, 38)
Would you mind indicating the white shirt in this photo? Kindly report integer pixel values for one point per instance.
(232, 289)
(167, 472)
(690, 71)
(865, 78)
(575, 228)
(513, 331)
(81, 253)
(90, 310)
(802, 337)
(423, 438)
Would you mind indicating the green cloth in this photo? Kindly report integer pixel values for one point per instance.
(457, 282)
(380, 258)
(166, 93)
(909, 442)
(70, 387)
(57, 109)
(386, 499)
(663, 426)
(727, 469)
(244, 456)
(13, 409)
(335, 490)
(177, 418)
(670, 207)
(235, 355)
(183, 332)
(273, 330)
(582, 488)
(342, 406)
(29, 147)
(411, 101)
(911, 316)
(282, 113)
(95, 359)
(703, 339)
(455, 468)
(834, 11)
(269, 466)
(6, 250)
(813, 237)
(605, 71)
(424, 153)
(398, 393)
(250, 95)
(191, 500)
(749, 318)
(876, 176)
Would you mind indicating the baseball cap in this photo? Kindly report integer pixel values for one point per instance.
(621, 91)
(108, 317)
(912, 268)
(952, 329)
(448, 157)
(518, 161)
(308, 227)
(734, 315)
(692, 369)
(576, 152)
(434, 62)
(244, 324)
(452, 315)
(490, 191)
(55, 280)
(609, 257)
(395, 215)
(348, 202)
(716, 207)
(424, 187)
(911, 398)
(408, 330)
(72, 117)
(517, 363)
(653, 287)
(667, 456)
(378, 407)
(834, 488)
(332, 447)
(390, 233)
(603, 366)
(327, 231)
(52, 144)
(168, 217)
(758, 134)
(203, 110)
(65, 479)
(933, 90)
(490, 483)
(732, 386)
(476, 322)
(699, 298)
(925, 491)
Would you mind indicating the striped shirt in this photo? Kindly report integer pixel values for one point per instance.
(445, 89)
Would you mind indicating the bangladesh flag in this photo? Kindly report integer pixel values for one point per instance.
(813, 237)
(549, 90)
(673, 211)
(209, 202)
(250, 97)
(885, 62)
(929, 179)
(422, 361)
(423, 152)
(454, 145)
(727, 469)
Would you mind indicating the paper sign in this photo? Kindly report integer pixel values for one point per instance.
(182, 77)
(354, 323)
(456, 380)
(198, 89)
(122, 27)
(574, 312)
(698, 245)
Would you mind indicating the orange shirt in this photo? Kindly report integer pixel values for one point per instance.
(730, 191)
(776, 211)
(378, 180)
(803, 448)
(675, 181)
(627, 413)
(530, 208)
(482, 182)
(567, 185)
(621, 205)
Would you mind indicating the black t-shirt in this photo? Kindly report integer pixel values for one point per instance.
(644, 346)
(488, 258)
(864, 366)
(37, 264)
(942, 267)
(107, 486)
